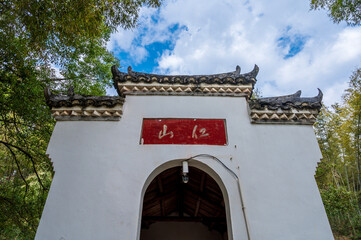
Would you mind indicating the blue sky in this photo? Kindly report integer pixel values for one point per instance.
(295, 48)
(291, 44)
(152, 50)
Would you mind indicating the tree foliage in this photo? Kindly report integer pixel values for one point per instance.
(339, 136)
(338, 175)
(37, 40)
(340, 10)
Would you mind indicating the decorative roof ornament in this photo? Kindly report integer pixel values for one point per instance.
(223, 84)
(289, 109)
(82, 107)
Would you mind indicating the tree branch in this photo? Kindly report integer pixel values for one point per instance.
(19, 169)
(31, 159)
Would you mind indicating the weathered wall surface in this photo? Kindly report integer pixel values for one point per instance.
(101, 171)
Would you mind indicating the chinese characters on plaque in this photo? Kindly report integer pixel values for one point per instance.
(184, 131)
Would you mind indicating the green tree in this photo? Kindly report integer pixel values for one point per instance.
(338, 175)
(340, 10)
(36, 39)
(338, 131)
(352, 116)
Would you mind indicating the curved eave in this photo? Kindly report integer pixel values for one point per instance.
(75, 107)
(233, 78)
(287, 102)
(289, 109)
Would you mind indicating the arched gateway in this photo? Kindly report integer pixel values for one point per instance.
(183, 157)
(178, 208)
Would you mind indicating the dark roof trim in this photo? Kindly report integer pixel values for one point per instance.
(287, 102)
(233, 78)
(71, 100)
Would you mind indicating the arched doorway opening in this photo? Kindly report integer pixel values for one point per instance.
(175, 210)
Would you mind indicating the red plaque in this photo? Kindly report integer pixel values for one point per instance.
(184, 131)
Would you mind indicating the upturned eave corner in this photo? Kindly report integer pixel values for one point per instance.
(288, 109)
(223, 84)
(76, 107)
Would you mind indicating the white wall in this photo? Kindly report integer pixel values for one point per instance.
(101, 171)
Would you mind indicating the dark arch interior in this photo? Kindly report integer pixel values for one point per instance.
(195, 208)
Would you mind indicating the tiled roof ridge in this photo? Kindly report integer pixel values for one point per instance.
(76, 107)
(234, 77)
(288, 101)
(71, 99)
(288, 109)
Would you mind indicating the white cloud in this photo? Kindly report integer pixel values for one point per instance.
(122, 39)
(173, 62)
(348, 45)
(218, 35)
(56, 71)
(334, 93)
